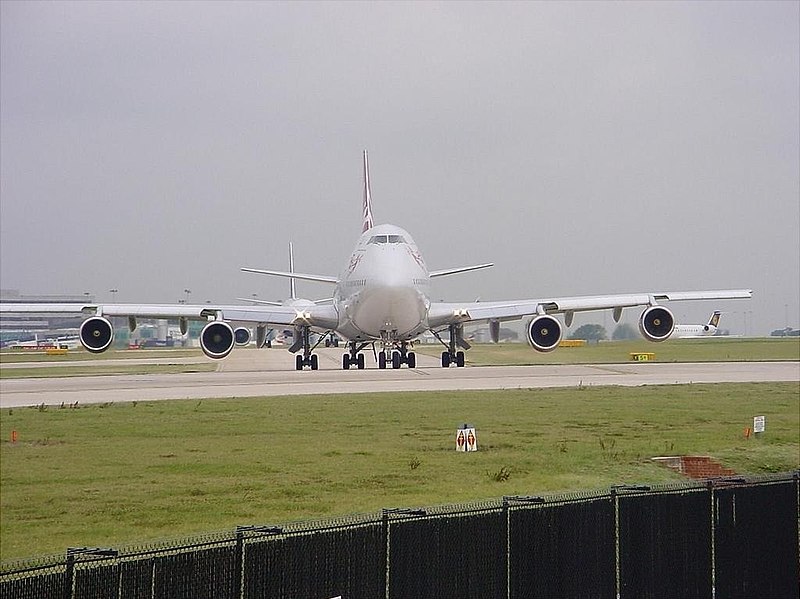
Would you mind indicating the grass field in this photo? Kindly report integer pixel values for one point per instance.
(121, 473)
(79, 362)
(678, 350)
(14, 356)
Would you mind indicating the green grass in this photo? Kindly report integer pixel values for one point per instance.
(678, 350)
(104, 369)
(79, 362)
(118, 473)
(15, 356)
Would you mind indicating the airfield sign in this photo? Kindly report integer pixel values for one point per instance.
(466, 438)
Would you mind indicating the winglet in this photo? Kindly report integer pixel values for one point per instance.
(367, 215)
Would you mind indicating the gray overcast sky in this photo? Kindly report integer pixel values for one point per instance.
(585, 148)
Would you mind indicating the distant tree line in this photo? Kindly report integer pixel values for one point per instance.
(596, 332)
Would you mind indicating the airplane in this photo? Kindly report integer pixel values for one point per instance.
(690, 331)
(265, 340)
(382, 296)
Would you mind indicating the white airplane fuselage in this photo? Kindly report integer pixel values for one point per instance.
(686, 331)
(384, 290)
(689, 331)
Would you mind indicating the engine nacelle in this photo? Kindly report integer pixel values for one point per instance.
(96, 334)
(656, 323)
(242, 335)
(544, 333)
(217, 339)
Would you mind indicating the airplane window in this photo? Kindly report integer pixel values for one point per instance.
(396, 239)
(379, 239)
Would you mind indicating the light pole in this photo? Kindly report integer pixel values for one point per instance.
(188, 292)
(113, 293)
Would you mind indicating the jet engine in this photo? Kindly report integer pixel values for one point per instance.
(96, 334)
(544, 333)
(656, 323)
(241, 335)
(217, 339)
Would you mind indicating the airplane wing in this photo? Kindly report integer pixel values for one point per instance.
(318, 316)
(443, 314)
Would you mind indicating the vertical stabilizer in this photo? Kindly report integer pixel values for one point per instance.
(714, 322)
(292, 292)
(367, 214)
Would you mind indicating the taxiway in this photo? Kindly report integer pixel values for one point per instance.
(267, 373)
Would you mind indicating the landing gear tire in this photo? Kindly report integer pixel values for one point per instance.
(298, 362)
(314, 362)
(411, 359)
(345, 361)
(445, 359)
(396, 359)
(360, 361)
(460, 359)
(382, 360)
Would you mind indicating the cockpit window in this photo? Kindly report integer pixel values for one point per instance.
(380, 239)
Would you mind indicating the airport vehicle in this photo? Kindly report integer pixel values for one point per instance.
(689, 331)
(381, 300)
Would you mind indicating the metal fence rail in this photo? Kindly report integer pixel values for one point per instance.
(730, 537)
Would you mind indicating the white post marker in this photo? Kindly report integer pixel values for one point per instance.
(759, 424)
(466, 438)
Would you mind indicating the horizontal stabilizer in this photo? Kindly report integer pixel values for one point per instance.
(453, 271)
(294, 275)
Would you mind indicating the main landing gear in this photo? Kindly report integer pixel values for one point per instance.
(452, 355)
(303, 341)
(397, 357)
(458, 358)
(353, 357)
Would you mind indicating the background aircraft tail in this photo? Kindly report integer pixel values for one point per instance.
(292, 291)
(367, 214)
(714, 321)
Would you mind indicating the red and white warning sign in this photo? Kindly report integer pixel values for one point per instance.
(466, 439)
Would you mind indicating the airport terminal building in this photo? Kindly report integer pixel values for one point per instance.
(16, 328)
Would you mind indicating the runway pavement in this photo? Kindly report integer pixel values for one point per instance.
(270, 372)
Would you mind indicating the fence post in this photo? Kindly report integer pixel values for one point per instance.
(712, 529)
(507, 531)
(615, 501)
(385, 532)
(69, 575)
(239, 561)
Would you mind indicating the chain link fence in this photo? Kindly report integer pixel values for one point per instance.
(731, 537)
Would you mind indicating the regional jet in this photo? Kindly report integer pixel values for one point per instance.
(689, 331)
(381, 300)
